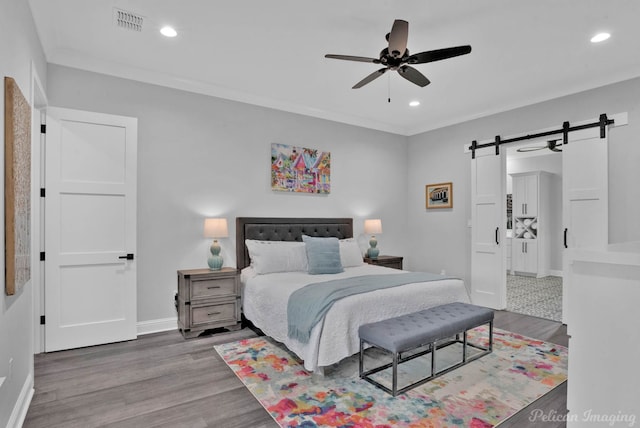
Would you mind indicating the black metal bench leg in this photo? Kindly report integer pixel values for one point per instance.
(394, 385)
(491, 335)
(433, 358)
(464, 347)
(361, 362)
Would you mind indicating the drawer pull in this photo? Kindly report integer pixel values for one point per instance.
(214, 313)
(212, 287)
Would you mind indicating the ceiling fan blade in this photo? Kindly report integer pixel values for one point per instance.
(551, 145)
(398, 38)
(413, 76)
(530, 149)
(438, 54)
(370, 78)
(353, 58)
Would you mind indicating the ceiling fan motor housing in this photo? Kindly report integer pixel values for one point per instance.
(393, 62)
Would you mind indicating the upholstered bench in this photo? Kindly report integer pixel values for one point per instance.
(429, 327)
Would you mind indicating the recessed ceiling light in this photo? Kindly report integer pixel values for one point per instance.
(168, 31)
(600, 37)
(414, 103)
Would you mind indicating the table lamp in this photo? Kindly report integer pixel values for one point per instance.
(372, 226)
(215, 228)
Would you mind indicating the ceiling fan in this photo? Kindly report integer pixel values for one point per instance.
(396, 57)
(551, 145)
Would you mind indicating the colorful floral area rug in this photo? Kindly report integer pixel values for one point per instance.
(483, 393)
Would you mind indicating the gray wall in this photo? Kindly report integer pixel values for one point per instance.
(200, 156)
(19, 49)
(442, 239)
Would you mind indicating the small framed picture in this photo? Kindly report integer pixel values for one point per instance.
(439, 195)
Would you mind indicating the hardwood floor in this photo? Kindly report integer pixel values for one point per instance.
(163, 380)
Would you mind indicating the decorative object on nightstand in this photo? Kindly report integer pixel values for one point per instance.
(208, 299)
(394, 262)
(215, 228)
(373, 226)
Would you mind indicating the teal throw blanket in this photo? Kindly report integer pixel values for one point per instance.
(308, 305)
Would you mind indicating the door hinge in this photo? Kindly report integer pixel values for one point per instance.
(43, 128)
(42, 192)
(41, 256)
(42, 321)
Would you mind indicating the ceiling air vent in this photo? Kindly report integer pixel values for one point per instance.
(127, 20)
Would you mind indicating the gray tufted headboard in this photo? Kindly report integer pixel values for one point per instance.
(286, 229)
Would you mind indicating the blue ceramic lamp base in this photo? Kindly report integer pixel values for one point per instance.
(215, 259)
(373, 251)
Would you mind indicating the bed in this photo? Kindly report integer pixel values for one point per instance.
(266, 292)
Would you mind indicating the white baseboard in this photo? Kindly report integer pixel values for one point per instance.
(555, 272)
(19, 412)
(156, 326)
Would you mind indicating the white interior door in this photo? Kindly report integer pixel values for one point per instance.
(585, 195)
(90, 228)
(488, 224)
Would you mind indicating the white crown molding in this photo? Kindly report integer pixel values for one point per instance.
(621, 77)
(73, 59)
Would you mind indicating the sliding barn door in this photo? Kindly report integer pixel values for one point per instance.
(90, 229)
(585, 191)
(488, 224)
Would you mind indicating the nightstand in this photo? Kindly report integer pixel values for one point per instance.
(208, 299)
(394, 262)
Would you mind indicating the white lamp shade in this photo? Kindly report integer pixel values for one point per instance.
(216, 228)
(373, 226)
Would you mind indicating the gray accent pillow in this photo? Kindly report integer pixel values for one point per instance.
(323, 255)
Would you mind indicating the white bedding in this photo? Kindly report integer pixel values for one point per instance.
(265, 300)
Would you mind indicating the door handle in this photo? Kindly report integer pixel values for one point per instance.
(497, 236)
(127, 257)
(565, 237)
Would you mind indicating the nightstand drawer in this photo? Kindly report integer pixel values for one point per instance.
(218, 287)
(218, 312)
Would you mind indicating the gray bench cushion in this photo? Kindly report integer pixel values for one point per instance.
(412, 330)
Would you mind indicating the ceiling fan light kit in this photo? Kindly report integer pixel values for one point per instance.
(396, 57)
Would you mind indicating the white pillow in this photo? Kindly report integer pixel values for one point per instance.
(277, 256)
(350, 253)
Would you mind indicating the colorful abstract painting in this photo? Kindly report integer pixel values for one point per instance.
(299, 169)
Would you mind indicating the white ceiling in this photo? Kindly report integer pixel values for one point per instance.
(271, 53)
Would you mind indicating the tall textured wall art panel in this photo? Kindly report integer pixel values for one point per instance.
(298, 169)
(17, 187)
